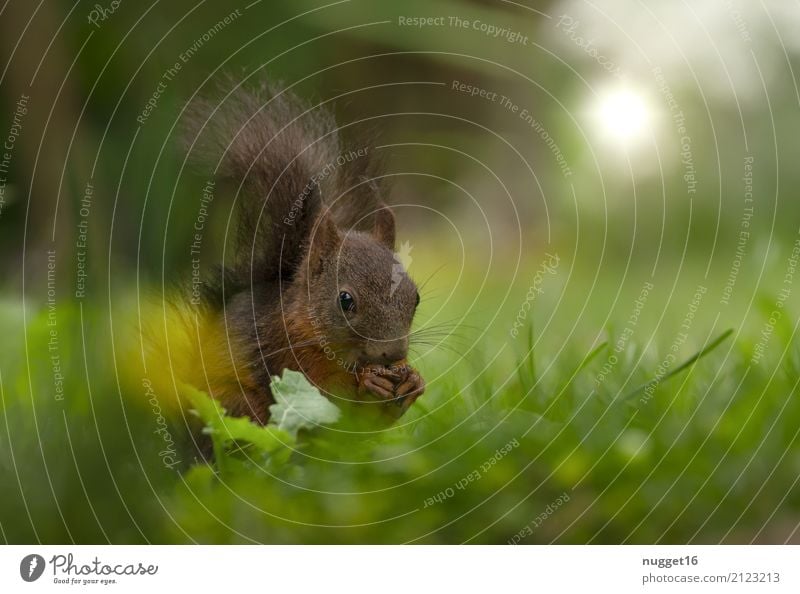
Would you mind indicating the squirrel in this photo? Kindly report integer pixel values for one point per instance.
(314, 284)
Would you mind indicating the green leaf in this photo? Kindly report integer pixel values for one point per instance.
(299, 405)
(224, 429)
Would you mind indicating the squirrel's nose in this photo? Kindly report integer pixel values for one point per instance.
(391, 357)
(387, 353)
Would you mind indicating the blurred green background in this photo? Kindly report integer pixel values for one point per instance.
(642, 148)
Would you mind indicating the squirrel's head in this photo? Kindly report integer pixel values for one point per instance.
(361, 299)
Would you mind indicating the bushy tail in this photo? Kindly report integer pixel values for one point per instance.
(285, 161)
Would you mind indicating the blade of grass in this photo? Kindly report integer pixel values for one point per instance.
(688, 363)
(588, 358)
(531, 353)
(526, 370)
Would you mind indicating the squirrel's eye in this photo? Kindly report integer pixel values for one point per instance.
(417, 303)
(347, 302)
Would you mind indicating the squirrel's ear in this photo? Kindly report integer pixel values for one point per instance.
(383, 230)
(325, 243)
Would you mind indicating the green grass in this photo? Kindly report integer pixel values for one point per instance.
(704, 449)
(711, 455)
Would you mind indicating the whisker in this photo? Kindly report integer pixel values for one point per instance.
(439, 346)
(444, 338)
(432, 274)
(435, 333)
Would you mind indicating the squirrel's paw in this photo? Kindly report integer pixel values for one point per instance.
(399, 386)
(376, 384)
(412, 387)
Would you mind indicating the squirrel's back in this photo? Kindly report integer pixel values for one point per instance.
(285, 162)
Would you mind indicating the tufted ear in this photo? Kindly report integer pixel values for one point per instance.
(325, 243)
(383, 230)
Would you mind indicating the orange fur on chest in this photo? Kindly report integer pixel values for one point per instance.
(232, 374)
(321, 367)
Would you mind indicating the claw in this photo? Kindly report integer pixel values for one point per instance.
(370, 384)
(398, 383)
(414, 386)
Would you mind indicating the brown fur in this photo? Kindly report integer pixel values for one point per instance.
(277, 305)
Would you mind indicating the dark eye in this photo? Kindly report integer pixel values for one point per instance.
(347, 302)
(417, 303)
